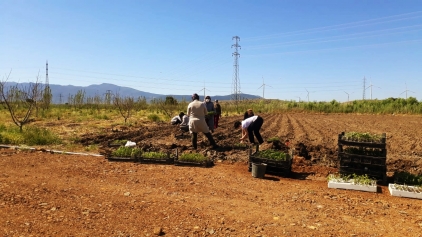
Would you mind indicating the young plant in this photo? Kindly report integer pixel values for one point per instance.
(136, 152)
(127, 152)
(362, 137)
(354, 178)
(193, 157)
(273, 139)
(273, 155)
(154, 155)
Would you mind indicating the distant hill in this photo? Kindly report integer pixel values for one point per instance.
(62, 93)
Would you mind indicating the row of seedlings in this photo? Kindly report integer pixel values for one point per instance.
(136, 154)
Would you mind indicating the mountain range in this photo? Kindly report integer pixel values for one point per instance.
(62, 93)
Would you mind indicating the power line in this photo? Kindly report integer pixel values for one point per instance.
(333, 38)
(339, 26)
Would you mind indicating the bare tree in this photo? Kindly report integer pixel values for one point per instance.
(166, 106)
(46, 98)
(125, 105)
(20, 101)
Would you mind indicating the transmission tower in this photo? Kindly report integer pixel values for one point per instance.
(364, 87)
(236, 80)
(47, 83)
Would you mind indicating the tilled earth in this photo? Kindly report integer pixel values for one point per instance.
(44, 194)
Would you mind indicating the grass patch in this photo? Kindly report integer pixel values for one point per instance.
(154, 118)
(30, 136)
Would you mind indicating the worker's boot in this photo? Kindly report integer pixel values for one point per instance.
(194, 140)
(211, 139)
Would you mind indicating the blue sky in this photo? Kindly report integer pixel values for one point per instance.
(295, 49)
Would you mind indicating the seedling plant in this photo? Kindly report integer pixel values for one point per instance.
(273, 155)
(193, 157)
(362, 137)
(354, 178)
(154, 155)
(273, 139)
(127, 152)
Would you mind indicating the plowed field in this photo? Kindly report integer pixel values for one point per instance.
(44, 194)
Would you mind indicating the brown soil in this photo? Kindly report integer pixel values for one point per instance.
(44, 194)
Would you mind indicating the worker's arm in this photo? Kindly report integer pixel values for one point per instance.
(244, 133)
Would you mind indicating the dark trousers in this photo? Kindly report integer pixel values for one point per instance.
(254, 128)
(194, 139)
(216, 118)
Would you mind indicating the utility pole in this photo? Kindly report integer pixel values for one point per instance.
(236, 80)
(364, 87)
(371, 88)
(60, 98)
(47, 82)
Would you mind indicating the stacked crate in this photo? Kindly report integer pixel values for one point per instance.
(274, 167)
(363, 157)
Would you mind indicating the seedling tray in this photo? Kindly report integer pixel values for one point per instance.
(121, 159)
(166, 161)
(346, 158)
(399, 190)
(279, 168)
(351, 186)
(205, 164)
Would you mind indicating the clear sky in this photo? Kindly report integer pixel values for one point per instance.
(295, 49)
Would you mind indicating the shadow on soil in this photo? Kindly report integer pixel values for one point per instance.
(272, 178)
(301, 176)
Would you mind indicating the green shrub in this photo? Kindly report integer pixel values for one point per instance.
(39, 136)
(407, 178)
(154, 118)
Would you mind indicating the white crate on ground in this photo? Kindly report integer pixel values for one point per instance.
(352, 186)
(405, 191)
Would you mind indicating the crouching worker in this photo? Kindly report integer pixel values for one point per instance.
(184, 126)
(177, 119)
(196, 112)
(250, 127)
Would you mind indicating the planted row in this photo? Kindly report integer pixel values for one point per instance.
(136, 154)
